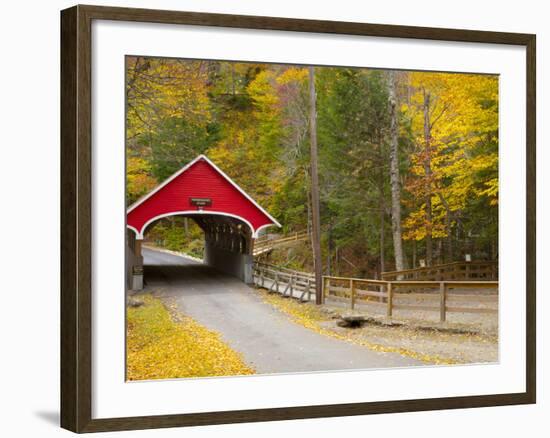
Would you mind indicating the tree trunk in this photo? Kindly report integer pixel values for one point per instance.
(382, 238)
(394, 177)
(381, 205)
(448, 226)
(315, 209)
(428, 173)
(450, 254)
(329, 250)
(309, 220)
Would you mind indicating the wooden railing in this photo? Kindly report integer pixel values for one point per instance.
(294, 284)
(476, 271)
(441, 297)
(447, 295)
(264, 244)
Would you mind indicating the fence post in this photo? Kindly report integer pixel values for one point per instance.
(262, 276)
(352, 292)
(326, 288)
(442, 301)
(389, 309)
(291, 285)
(276, 281)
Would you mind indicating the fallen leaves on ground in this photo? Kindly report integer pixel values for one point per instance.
(313, 317)
(163, 344)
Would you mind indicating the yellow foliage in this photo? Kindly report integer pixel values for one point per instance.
(159, 88)
(138, 179)
(262, 91)
(293, 74)
(163, 344)
(463, 113)
(250, 137)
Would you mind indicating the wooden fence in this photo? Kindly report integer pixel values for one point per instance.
(285, 281)
(443, 296)
(477, 271)
(265, 244)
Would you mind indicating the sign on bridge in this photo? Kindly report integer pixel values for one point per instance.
(200, 202)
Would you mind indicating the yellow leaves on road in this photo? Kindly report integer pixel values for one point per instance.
(163, 344)
(313, 317)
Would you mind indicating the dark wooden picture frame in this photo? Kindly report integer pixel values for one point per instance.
(76, 218)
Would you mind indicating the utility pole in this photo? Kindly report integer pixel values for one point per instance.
(315, 215)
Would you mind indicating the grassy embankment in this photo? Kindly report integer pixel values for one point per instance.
(164, 344)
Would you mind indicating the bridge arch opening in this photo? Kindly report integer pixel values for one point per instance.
(230, 219)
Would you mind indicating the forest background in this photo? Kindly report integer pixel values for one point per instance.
(408, 161)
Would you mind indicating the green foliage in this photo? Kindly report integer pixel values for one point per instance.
(176, 142)
(171, 233)
(353, 121)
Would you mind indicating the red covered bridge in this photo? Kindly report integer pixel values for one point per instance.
(229, 217)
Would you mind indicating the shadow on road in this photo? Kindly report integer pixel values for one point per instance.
(190, 278)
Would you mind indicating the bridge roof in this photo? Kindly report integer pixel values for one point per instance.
(199, 188)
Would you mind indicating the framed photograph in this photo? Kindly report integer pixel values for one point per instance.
(269, 218)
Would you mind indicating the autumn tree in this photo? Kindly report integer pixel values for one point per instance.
(394, 173)
(455, 125)
(168, 114)
(408, 161)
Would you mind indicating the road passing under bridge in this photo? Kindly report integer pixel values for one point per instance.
(268, 340)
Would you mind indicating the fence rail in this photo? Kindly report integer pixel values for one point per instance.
(442, 296)
(294, 284)
(264, 244)
(448, 271)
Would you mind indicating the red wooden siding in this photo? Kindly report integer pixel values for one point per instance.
(200, 180)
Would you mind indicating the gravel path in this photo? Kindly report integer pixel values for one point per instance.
(267, 339)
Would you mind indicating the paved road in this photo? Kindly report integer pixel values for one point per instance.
(267, 339)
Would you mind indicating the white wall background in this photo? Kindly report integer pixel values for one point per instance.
(29, 184)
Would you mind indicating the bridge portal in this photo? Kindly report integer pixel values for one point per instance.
(229, 217)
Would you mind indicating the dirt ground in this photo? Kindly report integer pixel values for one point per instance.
(483, 323)
(455, 347)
